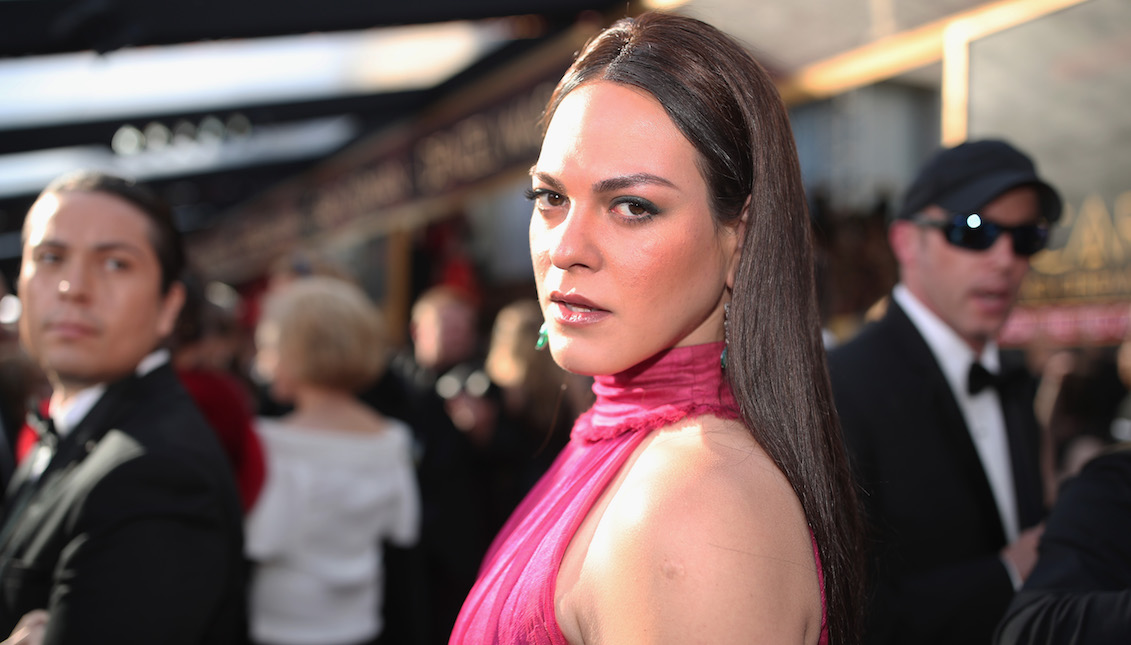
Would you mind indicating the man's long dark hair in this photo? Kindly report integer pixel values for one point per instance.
(725, 103)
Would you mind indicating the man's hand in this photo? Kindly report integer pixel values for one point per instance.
(30, 629)
(1022, 554)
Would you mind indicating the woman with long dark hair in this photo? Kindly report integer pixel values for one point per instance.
(706, 496)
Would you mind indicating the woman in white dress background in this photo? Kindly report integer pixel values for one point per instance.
(340, 476)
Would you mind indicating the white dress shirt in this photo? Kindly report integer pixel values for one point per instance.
(983, 412)
(67, 416)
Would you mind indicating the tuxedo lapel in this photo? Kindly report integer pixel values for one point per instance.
(940, 412)
(27, 489)
(1022, 428)
(19, 477)
(101, 418)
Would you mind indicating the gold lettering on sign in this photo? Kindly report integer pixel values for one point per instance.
(1094, 235)
(432, 158)
(517, 124)
(480, 145)
(1095, 262)
(362, 193)
(476, 157)
(1094, 241)
(459, 155)
(1081, 285)
(516, 130)
(1123, 216)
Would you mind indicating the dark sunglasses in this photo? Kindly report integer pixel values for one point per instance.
(975, 233)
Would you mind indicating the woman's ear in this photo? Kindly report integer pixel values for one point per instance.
(736, 237)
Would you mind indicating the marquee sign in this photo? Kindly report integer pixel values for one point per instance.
(1059, 87)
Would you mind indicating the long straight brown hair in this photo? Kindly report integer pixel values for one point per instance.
(725, 103)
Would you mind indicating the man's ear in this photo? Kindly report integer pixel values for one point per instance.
(903, 238)
(171, 303)
(737, 237)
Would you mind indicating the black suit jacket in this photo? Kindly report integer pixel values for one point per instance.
(133, 534)
(937, 576)
(1080, 591)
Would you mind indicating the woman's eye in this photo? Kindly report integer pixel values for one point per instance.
(114, 264)
(543, 198)
(635, 208)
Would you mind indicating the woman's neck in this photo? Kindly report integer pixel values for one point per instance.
(321, 403)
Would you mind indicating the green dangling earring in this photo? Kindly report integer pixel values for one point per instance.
(543, 336)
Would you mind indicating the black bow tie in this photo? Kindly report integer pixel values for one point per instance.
(980, 378)
(43, 425)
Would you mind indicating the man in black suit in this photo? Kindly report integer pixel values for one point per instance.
(123, 523)
(939, 425)
(1080, 590)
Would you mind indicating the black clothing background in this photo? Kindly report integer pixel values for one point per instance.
(1080, 591)
(134, 533)
(937, 577)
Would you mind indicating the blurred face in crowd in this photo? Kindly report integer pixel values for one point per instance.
(971, 291)
(90, 283)
(443, 333)
(627, 257)
(512, 338)
(269, 363)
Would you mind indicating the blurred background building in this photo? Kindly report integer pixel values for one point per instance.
(394, 138)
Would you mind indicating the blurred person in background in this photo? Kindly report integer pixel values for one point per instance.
(514, 408)
(939, 423)
(387, 394)
(296, 264)
(123, 524)
(200, 357)
(407, 610)
(339, 475)
(536, 403)
(445, 331)
(1078, 403)
(706, 496)
(21, 383)
(444, 327)
(1079, 592)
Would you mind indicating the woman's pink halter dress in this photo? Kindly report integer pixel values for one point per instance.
(512, 603)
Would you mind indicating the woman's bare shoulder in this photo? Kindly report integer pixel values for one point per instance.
(704, 541)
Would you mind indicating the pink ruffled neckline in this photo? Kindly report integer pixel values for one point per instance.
(683, 382)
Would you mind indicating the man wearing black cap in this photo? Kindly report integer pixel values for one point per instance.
(939, 425)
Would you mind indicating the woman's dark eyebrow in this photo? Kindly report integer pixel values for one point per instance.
(628, 181)
(554, 184)
(607, 185)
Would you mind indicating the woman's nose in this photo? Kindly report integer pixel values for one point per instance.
(571, 242)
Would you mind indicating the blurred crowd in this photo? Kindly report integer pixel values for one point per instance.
(399, 464)
(438, 440)
(360, 464)
(372, 474)
(482, 413)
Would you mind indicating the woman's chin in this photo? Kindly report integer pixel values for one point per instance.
(590, 361)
